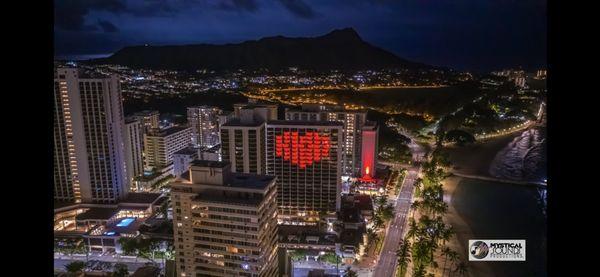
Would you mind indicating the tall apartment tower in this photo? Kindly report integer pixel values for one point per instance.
(352, 120)
(134, 141)
(204, 121)
(306, 157)
(160, 145)
(89, 148)
(224, 223)
(243, 138)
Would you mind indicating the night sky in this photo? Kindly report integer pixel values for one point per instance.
(476, 35)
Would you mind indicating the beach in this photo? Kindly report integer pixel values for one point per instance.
(476, 159)
(480, 209)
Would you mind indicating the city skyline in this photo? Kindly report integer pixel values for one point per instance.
(360, 138)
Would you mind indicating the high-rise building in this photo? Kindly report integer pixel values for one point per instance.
(541, 74)
(89, 151)
(370, 137)
(161, 144)
(150, 119)
(305, 156)
(520, 82)
(183, 158)
(134, 141)
(225, 224)
(352, 120)
(243, 140)
(204, 122)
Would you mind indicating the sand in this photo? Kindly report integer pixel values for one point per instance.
(459, 241)
(473, 160)
(476, 159)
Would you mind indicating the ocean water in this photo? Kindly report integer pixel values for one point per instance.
(495, 210)
(523, 159)
(504, 211)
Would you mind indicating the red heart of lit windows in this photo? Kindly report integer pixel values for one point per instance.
(301, 150)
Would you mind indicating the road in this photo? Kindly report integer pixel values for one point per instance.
(386, 265)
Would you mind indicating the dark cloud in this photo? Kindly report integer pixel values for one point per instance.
(299, 8)
(239, 5)
(160, 8)
(70, 14)
(107, 26)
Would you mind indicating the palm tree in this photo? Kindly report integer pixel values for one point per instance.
(75, 267)
(372, 235)
(420, 252)
(403, 255)
(453, 256)
(120, 270)
(377, 222)
(446, 252)
(419, 271)
(461, 268)
(447, 233)
(413, 228)
(381, 200)
(418, 186)
(350, 272)
(416, 205)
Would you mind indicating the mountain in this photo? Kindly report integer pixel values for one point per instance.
(340, 49)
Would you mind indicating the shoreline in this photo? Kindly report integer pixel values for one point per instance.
(471, 160)
(463, 231)
(476, 159)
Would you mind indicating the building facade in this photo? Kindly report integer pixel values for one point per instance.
(262, 112)
(243, 139)
(370, 138)
(242, 145)
(183, 158)
(204, 123)
(89, 148)
(134, 141)
(160, 145)
(352, 120)
(225, 224)
(150, 119)
(306, 158)
(210, 154)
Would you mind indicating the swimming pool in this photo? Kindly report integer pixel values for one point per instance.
(125, 222)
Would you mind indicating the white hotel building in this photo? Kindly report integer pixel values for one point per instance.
(89, 152)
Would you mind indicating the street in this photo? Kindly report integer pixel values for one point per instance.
(386, 265)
